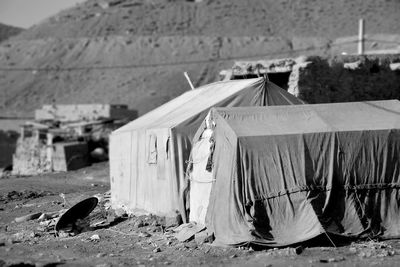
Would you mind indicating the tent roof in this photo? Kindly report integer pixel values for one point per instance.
(297, 119)
(195, 101)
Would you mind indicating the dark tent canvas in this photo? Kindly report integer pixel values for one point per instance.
(285, 174)
(148, 155)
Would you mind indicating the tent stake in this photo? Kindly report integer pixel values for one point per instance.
(188, 79)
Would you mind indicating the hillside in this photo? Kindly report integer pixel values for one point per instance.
(286, 18)
(7, 31)
(134, 52)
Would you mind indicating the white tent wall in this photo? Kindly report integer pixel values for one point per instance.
(141, 184)
(201, 178)
(154, 187)
(120, 161)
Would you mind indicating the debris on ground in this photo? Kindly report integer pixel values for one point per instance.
(22, 195)
(285, 251)
(65, 222)
(187, 231)
(95, 238)
(173, 221)
(338, 259)
(46, 216)
(28, 217)
(74, 218)
(150, 234)
(204, 236)
(372, 249)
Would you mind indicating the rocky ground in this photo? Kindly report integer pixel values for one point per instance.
(120, 240)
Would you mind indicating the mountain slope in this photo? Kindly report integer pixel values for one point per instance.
(6, 31)
(135, 52)
(323, 18)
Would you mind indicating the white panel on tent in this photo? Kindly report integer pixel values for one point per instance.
(201, 178)
(152, 185)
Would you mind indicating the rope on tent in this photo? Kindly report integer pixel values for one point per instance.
(202, 182)
(326, 233)
(198, 161)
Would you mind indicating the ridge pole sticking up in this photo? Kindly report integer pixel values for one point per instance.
(188, 79)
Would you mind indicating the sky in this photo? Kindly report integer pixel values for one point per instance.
(25, 13)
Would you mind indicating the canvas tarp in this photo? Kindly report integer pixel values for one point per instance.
(287, 174)
(148, 156)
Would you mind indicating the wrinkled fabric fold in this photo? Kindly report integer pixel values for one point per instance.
(307, 174)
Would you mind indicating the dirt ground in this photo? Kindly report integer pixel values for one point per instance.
(141, 240)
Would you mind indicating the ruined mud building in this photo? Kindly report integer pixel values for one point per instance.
(67, 137)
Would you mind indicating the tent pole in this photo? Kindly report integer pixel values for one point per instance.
(188, 79)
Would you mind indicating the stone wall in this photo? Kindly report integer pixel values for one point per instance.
(343, 78)
(349, 78)
(30, 157)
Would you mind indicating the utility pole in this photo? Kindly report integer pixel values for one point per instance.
(361, 37)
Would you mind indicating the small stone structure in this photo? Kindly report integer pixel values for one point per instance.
(62, 137)
(317, 79)
(30, 156)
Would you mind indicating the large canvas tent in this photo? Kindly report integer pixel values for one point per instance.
(282, 175)
(147, 156)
